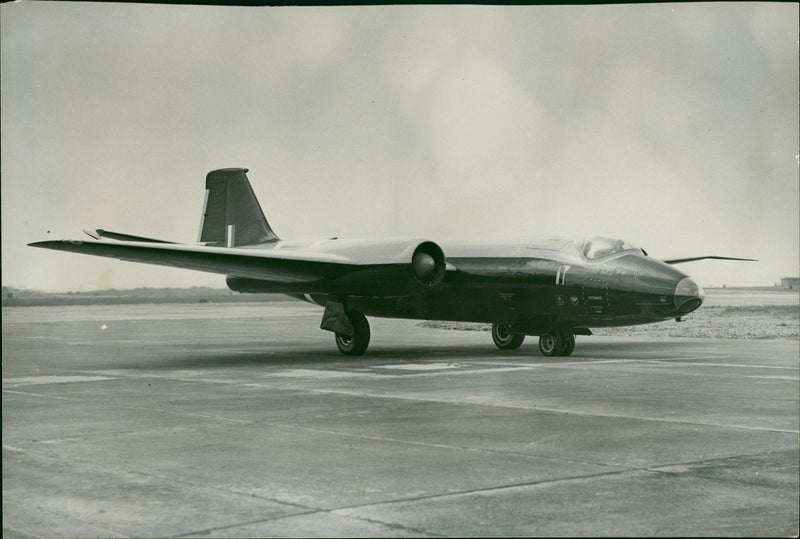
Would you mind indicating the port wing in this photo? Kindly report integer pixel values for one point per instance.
(349, 267)
(252, 263)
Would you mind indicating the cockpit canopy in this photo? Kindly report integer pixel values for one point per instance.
(596, 247)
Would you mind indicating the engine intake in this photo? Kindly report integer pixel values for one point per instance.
(428, 264)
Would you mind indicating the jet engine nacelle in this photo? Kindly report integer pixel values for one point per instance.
(424, 268)
(415, 266)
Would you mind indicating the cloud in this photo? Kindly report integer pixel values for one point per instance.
(482, 124)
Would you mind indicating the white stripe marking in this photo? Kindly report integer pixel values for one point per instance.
(38, 380)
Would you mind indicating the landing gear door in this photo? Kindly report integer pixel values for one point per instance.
(595, 298)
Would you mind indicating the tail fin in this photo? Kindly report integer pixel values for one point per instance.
(232, 216)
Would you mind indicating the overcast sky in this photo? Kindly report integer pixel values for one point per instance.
(673, 126)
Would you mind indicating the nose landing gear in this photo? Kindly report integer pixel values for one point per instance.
(559, 342)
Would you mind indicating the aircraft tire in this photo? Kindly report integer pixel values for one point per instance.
(505, 340)
(568, 345)
(357, 344)
(551, 344)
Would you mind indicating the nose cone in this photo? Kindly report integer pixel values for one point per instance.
(688, 296)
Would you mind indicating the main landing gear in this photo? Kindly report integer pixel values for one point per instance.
(356, 344)
(350, 327)
(556, 343)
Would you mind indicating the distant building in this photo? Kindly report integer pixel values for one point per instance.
(790, 282)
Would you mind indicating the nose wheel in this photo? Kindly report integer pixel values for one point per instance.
(557, 344)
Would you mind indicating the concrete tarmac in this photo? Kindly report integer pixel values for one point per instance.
(243, 420)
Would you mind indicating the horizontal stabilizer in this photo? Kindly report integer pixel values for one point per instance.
(682, 260)
(100, 233)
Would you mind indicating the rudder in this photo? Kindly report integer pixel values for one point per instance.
(232, 216)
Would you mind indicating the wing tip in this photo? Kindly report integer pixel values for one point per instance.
(39, 243)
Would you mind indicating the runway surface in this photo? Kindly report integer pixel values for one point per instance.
(244, 420)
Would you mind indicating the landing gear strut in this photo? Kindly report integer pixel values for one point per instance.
(356, 344)
(505, 340)
(557, 343)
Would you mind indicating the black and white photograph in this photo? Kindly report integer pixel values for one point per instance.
(400, 270)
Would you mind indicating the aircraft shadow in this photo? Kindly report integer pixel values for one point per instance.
(317, 356)
(528, 353)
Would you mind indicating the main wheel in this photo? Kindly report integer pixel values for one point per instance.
(551, 344)
(568, 345)
(505, 340)
(357, 344)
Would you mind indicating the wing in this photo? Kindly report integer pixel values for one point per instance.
(326, 266)
(682, 260)
(255, 264)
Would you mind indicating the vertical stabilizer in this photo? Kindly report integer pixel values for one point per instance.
(232, 216)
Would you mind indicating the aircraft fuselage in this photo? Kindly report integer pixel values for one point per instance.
(529, 288)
